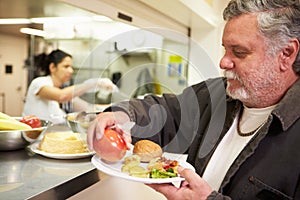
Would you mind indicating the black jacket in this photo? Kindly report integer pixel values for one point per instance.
(195, 121)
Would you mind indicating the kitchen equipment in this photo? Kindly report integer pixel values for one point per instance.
(80, 124)
(18, 139)
(86, 116)
(80, 121)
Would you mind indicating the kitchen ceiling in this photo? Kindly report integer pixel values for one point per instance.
(33, 9)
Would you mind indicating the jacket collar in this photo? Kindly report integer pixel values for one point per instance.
(288, 109)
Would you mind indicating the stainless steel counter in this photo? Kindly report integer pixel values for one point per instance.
(25, 175)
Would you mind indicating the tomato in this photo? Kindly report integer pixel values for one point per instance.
(111, 147)
(32, 121)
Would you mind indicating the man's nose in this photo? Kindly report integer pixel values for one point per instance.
(226, 63)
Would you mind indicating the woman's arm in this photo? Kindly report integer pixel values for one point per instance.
(64, 94)
(68, 93)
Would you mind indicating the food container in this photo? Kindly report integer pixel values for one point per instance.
(79, 126)
(18, 139)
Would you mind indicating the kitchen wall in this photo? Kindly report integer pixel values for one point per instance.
(126, 50)
(201, 20)
(88, 63)
(205, 31)
(13, 74)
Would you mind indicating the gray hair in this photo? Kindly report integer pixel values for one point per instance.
(278, 21)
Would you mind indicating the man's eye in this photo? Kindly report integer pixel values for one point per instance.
(240, 54)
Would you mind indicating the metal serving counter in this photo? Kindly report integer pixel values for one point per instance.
(25, 175)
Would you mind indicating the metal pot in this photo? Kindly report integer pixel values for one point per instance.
(79, 126)
(18, 139)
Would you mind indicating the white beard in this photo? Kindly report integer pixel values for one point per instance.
(239, 93)
(260, 87)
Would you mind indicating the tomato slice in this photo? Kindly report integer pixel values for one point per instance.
(32, 121)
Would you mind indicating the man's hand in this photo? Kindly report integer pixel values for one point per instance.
(105, 120)
(192, 188)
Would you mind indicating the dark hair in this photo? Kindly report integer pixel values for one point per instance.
(54, 57)
(278, 21)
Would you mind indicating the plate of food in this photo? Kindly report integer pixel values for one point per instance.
(145, 163)
(62, 145)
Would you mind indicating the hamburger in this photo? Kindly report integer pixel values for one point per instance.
(147, 150)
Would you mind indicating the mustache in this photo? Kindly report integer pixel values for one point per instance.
(231, 75)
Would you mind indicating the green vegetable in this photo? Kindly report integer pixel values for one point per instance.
(170, 170)
(161, 174)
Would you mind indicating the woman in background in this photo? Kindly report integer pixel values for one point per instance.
(46, 93)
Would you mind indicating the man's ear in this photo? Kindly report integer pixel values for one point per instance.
(288, 54)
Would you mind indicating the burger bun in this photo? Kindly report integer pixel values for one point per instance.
(147, 150)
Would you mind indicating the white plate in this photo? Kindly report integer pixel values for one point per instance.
(114, 169)
(34, 147)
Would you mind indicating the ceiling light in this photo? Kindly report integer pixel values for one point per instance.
(43, 20)
(32, 31)
(15, 21)
(101, 18)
